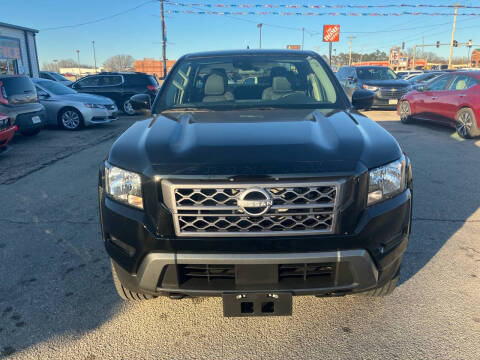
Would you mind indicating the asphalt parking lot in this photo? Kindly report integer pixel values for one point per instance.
(57, 299)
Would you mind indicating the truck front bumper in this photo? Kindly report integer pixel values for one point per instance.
(313, 273)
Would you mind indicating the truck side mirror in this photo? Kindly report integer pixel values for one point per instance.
(362, 99)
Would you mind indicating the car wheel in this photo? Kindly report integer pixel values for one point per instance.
(405, 112)
(122, 291)
(30, 132)
(70, 119)
(127, 107)
(466, 124)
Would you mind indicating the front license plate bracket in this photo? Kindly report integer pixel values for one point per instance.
(257, 304)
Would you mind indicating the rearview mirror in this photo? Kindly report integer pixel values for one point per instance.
(141, 103)
(351, 79)
(362, 99)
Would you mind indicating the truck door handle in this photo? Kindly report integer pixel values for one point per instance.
(462, 95)
(434, 97)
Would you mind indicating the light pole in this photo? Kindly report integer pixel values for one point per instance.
(55, 61)
(94, 56)
(260, 28)
(78, 61)
(350, 38)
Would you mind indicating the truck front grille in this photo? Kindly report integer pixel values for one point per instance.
(387, 93)
(252, 209)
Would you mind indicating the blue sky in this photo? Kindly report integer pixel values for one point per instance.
(138, 31)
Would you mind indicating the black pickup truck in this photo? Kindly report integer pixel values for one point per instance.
(254, 179)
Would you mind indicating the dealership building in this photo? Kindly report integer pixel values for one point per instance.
(18, 50)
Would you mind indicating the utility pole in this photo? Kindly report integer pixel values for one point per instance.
(164, 40)
(303, 36)
(414, 56)
(351, 37)
(78, 61)
(450, 56)
(260, 39)
(330, 54)
(94, 56)
(423, 47)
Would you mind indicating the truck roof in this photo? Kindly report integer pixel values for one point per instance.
(244, 52)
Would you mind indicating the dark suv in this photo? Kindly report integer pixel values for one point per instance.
(255, 190)
(18, 100)
(381, 80)
(118, 86)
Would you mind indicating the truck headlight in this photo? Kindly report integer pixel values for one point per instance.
(123, 186)
(386, 181)
(370, 87)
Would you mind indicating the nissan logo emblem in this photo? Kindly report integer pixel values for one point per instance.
(254, 202)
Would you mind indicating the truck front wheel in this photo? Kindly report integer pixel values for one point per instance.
(123, 292)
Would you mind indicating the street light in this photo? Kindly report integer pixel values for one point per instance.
(78, 61)
(94, 56)
(260, 28)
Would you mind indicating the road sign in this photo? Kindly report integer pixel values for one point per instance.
(331, 33)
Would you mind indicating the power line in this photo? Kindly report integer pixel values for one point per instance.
(100, 19)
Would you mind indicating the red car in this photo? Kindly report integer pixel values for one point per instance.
(452, 99)
(7, 130)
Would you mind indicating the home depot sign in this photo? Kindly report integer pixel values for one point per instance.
(331, 33)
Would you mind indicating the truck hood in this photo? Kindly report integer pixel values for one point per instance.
(254, 143)
(388, 83)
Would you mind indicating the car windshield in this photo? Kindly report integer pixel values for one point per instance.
(250, 81)
(58, 77)
(376, 73)
(56, 88)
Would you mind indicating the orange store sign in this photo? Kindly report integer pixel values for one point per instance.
(331, 33)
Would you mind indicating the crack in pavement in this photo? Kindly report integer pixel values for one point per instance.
(23, 222)
(60, 156)
(445, 220)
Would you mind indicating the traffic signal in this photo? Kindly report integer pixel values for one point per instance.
(470, 43)
(438, 44)
(455, 43)
(403, 45)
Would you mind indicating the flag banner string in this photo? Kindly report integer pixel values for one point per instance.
(194, 12)
(294, 6)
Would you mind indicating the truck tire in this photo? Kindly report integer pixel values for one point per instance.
(385, 290)
(123, 292)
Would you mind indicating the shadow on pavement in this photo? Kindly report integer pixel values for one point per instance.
(446, 196)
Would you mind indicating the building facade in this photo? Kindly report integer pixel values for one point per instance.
(18, 50)
(152, 66)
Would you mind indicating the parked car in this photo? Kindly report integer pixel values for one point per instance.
(255, 192)
(403, 74)
(72, 110)
(51, 75)
(7, 130)
(420, 80)
(452, 99)
(18, 100)
(382, 81)
(119, 86)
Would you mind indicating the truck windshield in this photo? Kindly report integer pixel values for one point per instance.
(376, 73)
(250, 81)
